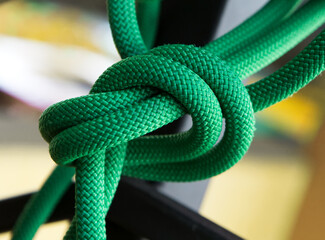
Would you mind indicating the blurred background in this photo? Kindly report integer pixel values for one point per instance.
(54, 50)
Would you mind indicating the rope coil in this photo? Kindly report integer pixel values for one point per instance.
(101, 134)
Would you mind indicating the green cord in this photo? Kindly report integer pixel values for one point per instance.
(272, 14)
(279, 40)
(148, 12)
(41, 205)
(104, 130)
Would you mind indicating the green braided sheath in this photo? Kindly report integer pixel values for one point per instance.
(102, 134)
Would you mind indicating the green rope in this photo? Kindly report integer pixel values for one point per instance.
(273, 13)
(41, 205)
(148, 12)
(102, 134)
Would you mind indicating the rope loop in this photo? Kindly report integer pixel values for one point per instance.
(142, 93)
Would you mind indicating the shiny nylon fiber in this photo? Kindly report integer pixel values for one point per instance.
(102, 134)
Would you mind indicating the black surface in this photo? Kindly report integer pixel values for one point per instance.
(138, 210)
(189, 21)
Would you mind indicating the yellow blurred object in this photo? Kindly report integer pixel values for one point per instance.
(23, 169)
(51, 231)
(258, 199)
(299, 117)
(46, 22)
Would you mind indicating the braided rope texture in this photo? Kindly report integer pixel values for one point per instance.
(102, 134)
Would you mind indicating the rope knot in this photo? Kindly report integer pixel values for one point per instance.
(142, 93)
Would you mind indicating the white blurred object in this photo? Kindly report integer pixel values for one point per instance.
(41, 74)
(236, 12)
